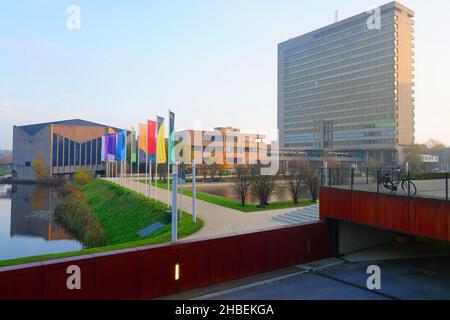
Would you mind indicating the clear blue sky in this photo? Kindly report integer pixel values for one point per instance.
(214, 61)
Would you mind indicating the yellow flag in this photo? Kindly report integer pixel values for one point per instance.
(161, 142)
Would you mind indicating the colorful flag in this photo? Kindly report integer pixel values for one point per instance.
(121, 151)
(103, 156)
(143, 138)
(161, 156)
(133, 146)
(110, 145)
(171, 137)
(151, 134)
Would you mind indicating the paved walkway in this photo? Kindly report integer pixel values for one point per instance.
(218, 220)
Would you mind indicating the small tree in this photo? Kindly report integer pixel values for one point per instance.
(221, 171)
(213, 170)
(39, 168)
(241, 184)
(312, 180)
(414, 156)
(204, 170)
(262, 187)
(295, 179)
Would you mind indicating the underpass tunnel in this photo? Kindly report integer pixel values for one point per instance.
(355, 242)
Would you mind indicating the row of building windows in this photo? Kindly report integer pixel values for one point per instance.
(357, 49)
(349, 95)
(341, 114)
(357, 97)
(321, 45)
(66, 152)
(333, 56)
(387, 56)
(342, 136)
(351, 29)
(344, 81)
(345, 127)
(386, 69)
(337, 90)
(367, 118)
(349, 143)
(340, 47)
(361, 103)
(387, 60)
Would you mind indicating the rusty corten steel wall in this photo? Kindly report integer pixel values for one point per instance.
(148, 272)
(415, 216)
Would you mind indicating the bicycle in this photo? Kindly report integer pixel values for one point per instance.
(407, 185)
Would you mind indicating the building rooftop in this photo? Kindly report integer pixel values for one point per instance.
(323, 31)
(35, 128)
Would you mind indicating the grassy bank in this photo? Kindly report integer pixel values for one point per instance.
(122, 214)
(232, 204)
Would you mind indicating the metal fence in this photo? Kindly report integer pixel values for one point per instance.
(388, 180)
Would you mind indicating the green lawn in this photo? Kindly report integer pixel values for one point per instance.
(122, 214)
(232, 204)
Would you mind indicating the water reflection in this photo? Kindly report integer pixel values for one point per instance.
(27, 223)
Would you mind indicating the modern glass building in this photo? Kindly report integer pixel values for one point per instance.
(349, 86)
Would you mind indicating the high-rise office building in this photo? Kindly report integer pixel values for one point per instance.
(349, 86)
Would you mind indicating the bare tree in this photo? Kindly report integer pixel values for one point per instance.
(213, 170)
(204, 170)
(295, 181)
(312, 180)
(262, 187)
(241, 184)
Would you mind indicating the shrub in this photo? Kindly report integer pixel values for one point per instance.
(82, 177)
(77, 217)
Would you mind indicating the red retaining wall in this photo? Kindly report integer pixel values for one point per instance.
(410, 215)
(148, 272)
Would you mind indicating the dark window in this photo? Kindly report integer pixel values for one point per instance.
(77, 154)
(55, 151)
(66, 152)
(94, 151)
(88, 151)
(27, 164)
(99, 150)
(83, 154)
(60, 152)
(72, 153)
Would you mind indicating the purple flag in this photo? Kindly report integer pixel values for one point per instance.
(110, 147)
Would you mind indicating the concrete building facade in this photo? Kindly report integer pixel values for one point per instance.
(349, 86)
(65, 147)
(225, 146)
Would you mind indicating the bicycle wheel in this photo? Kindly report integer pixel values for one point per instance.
(388, 187)
(412, 187)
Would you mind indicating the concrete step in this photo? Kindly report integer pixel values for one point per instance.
(304, 213)
(290, 220)
(301, 216)
(309, 209)
(298, 218)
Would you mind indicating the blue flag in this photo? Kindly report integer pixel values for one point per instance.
(121, 151)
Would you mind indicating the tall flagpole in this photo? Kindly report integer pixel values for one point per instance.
(131, 157)
(156, 162)
(146, 162)
(168, 165)
(138, 155)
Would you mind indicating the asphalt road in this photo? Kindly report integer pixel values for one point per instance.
(408, 272)
(406, 279)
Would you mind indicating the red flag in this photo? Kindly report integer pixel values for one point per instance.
(151, 134)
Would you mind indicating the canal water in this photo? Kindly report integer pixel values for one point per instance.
(27, 224)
